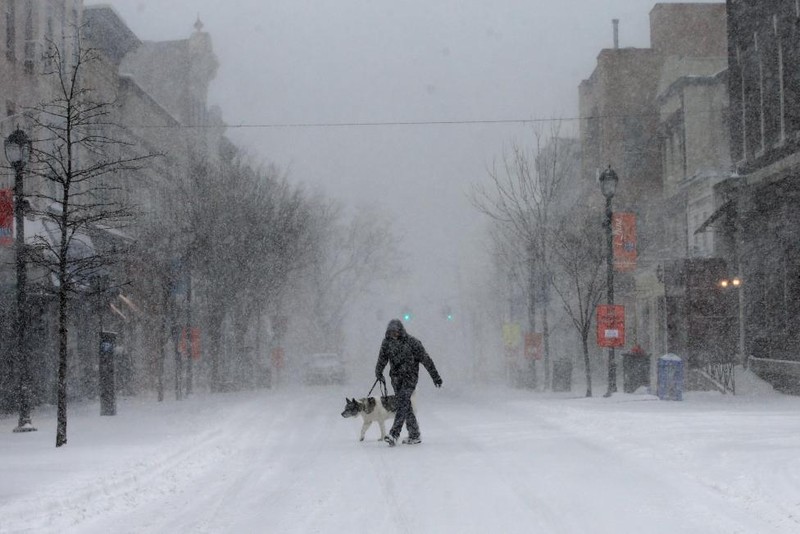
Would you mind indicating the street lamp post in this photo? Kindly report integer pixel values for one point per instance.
(608, 186)
(18, 150)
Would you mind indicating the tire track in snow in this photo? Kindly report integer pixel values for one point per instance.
(210, 504)
(400, 519)
(121, 489)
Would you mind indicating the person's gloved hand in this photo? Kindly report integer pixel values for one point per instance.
(380, 378)
(437, 382)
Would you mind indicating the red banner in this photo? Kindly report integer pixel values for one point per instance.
(194, 344)
(623, 231)
(6, 217)
(533, 346)
(278, 357)
(610, 325)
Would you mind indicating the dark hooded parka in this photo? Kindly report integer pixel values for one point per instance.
(404, 353)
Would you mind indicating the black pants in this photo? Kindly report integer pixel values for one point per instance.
(404, 413)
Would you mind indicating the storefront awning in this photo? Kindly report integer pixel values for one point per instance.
(42, 233)
(723, 211)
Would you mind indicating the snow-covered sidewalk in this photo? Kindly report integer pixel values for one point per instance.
(492, 460)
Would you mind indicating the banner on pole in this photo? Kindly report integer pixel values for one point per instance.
(6, 217)
(623, 231)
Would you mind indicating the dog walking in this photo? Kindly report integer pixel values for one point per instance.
(404, 354)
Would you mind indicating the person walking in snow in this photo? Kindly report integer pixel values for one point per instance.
(404, 353)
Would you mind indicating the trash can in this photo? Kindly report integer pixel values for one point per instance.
(670, 377)
(635, 370)
(562, 375)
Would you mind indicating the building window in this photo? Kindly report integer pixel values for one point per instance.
(739, 60)
(76, 24)
(762, 122)
(769, 56)
(30, 37)
(781, 83)
(790, 38)
(50, 35)
(11, 33)
(49, 43)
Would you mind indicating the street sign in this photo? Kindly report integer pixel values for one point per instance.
(512, 335)
(610, 325)
(278, 357)
(533, 346)
(193, 344)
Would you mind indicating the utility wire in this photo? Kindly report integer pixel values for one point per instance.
(355, 124)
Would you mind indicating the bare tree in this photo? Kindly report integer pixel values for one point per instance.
(579, 259)
(512, 262)
(344, 258)
(240, 229)
(525, 189)
(78, 150)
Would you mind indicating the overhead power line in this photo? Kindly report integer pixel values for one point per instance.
(368, 124)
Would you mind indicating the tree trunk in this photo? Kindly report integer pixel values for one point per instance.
(545, 288)
(61, 429)
(162, 342)
(189, 352)
(532, 312)
(546, 341)
(244, 360)
(214, 344)
(177, 332)
(263, 379)
(61, 426)
(586, 362)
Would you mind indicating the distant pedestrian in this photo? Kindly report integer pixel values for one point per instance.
(404, 353)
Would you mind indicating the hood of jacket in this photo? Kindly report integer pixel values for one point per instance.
(396, 325)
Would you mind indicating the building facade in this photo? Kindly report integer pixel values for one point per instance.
(152, 114)
(758, 210)
(658, 117)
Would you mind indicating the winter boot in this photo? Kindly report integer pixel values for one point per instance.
(391, 440)
(412, 441)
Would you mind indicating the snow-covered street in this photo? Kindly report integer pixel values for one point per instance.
(492, 460)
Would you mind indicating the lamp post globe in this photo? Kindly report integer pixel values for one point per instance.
(18, 150)
(608, 182)
(608, 186)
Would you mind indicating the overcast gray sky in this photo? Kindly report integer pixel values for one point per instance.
(351, 61)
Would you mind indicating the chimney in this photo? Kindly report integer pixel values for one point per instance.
(616, 33)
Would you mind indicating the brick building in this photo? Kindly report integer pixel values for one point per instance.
(658, 117)
(758, 211)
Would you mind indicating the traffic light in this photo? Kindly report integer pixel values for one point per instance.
(447, 313)
(407, 315)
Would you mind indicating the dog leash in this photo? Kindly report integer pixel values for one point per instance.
(384, 391)
(373, 386)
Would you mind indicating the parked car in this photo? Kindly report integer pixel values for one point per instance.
(324, 368)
